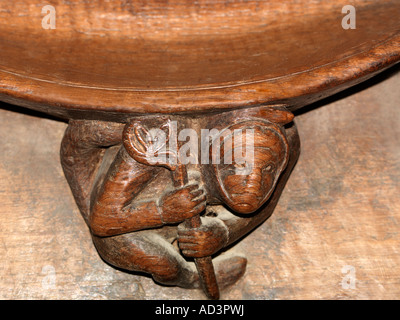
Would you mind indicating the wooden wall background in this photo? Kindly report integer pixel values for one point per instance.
(341, 207)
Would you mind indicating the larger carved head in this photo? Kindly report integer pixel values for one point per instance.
(251, 156)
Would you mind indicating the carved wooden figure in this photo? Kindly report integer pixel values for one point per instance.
(150, 88)
(137, 210)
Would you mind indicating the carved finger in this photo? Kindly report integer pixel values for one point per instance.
(187, 244)
(188, 234)
(184, 230)
(189, 253)
(197, 193)
(200, 207)
(186, 239)
(191, 187)
(200, 199)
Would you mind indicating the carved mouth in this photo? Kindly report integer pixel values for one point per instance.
(246, 203)
(247, 196)
(245, 208)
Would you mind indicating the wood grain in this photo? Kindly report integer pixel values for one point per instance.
(340, 207)
(204, 63)
(108, 58)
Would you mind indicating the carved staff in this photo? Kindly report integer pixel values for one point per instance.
(140, 144)
(204, 265)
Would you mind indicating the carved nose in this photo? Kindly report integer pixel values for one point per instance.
(252, 184)
(244, 184)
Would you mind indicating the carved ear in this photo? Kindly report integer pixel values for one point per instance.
(278, 115)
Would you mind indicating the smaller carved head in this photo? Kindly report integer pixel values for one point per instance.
(250, 163)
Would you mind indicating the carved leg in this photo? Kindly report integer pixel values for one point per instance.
(150, 252)
(82, 150)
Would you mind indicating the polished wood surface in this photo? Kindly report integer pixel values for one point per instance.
(227, 65)
(135, 57)
(340, 208)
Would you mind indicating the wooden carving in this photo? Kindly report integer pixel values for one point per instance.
(155, 93)
(151, 210)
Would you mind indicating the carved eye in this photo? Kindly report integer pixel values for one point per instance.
(244, 168)
(269, 168)
(236, 168)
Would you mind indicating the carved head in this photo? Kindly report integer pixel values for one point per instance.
(258, 156)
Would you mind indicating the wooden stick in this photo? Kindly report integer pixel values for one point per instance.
(204, 265)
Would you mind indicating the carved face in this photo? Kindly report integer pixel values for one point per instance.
(258, 156)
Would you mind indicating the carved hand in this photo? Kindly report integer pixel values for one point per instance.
(204, 241)
(182, 203)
